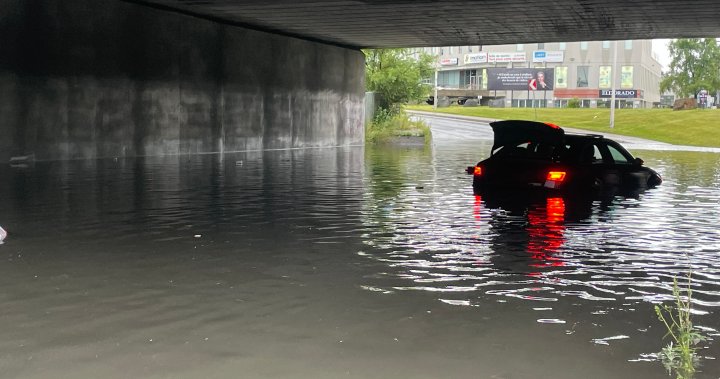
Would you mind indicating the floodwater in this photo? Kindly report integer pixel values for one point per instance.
(348, 262)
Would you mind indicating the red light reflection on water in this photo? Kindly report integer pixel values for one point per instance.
(477, 207)
(546, 230)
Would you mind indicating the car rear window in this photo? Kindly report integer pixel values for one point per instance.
(531, 150)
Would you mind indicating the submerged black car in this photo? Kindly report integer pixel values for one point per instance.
(535, 155)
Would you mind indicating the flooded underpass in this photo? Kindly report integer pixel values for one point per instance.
(348, 262)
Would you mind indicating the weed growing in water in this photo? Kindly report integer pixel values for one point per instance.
(679, 356)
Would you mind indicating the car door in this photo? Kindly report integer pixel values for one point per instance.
(632, 175)
(597, 167)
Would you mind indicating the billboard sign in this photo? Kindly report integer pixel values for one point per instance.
(481, 57)
(518, 78)
(506, 57)
(541, 56)
(619, 93)
(449, 62)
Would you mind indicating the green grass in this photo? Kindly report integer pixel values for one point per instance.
(692, 127)
(387, 126)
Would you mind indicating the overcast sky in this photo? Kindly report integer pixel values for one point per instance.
(661, 50)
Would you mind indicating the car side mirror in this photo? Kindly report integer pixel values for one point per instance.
(638, 162)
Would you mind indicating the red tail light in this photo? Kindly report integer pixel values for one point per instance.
(477, 171)
(556, 176)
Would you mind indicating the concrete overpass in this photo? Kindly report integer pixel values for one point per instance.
(418, 23)
(99, 78)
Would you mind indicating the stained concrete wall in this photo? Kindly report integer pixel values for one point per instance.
(99, 78)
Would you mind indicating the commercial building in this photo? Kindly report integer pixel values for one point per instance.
(504, 75)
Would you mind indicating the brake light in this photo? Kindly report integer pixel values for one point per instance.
(477, 171)
(556, 176)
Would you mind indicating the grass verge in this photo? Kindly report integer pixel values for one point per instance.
(387, 126)
(700, 127)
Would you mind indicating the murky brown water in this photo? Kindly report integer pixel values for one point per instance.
(364, 263)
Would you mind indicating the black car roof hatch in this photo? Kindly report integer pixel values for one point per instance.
(514, 132)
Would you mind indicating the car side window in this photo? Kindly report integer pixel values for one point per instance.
(618, 156)
(592, 154)
(597, 155)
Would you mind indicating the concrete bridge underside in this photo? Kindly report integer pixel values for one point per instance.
(97, 78)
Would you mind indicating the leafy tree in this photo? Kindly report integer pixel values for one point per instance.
(695, 65)
(396, 74)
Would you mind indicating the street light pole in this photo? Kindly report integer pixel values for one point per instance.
(435, 99)
(613, 72)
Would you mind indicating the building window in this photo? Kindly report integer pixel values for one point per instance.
(449, 79)
(519, 47)
(583, 45)
(562, 46)
(605, 77)
(628, 44)
(541, 46)
(626, 77)
(606, 44)
(582, 76)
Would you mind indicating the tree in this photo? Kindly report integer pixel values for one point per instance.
(695, 65)
(397, 74)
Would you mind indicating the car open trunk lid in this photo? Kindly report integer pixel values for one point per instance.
(514, 132)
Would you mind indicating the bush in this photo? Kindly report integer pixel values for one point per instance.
(574, 103)
(388, 124)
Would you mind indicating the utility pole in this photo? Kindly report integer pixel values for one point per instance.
(613, 73)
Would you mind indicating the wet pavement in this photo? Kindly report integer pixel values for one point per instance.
(349, 262)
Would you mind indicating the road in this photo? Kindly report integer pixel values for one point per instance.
(449, 128)
(446, 128)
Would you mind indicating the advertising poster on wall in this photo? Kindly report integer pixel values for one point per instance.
(484, 79)
(626, 77)
(605, 75)
(505, 79)
(561, 77)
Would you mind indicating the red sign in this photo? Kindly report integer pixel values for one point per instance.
(532, 84)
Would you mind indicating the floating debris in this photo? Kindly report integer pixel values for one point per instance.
(604, 341)
(3, 234)
(551, 321)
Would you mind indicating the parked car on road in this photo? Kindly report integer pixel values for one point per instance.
(536, 155)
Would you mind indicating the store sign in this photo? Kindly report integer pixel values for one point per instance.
(542, 56)
(449, 62)
(519, 78)
(476, 58)
(619, 93)
(506, 57)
